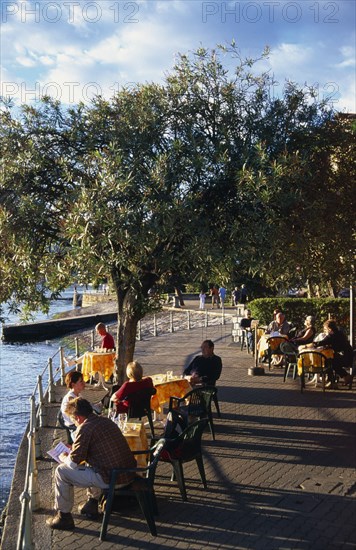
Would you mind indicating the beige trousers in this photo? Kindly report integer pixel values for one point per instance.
(67, 478)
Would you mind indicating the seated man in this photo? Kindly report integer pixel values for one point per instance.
(99, 444)
(205, 368)
(282, 327)
(107, 341)
(245, 324)
(279, 325)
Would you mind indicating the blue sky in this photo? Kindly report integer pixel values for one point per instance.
(75, 49)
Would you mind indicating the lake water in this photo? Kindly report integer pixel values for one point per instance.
(20, 364)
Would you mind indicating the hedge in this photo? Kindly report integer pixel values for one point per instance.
(296, 310)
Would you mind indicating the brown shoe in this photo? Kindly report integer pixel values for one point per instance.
(62, 521)
(89, 508)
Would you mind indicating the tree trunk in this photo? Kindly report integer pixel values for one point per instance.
(126, 333)
(310, 289)
(178, 293)
(331, 291)
(129, 313)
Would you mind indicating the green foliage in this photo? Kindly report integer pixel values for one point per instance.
(206, 177)
(296, 310)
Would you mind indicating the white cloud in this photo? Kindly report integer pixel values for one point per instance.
(131, 54)
(177, 6)
(348, 53)
(137, 42)
(286, 57)
(25, 61)
(46, 60)
(347, 99)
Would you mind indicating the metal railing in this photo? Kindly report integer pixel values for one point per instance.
(29, 498)
(160, 323)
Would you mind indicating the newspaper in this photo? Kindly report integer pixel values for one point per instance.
(58, 449)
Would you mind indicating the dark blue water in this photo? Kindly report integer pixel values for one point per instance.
(20, 364)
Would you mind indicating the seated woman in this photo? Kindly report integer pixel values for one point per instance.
(135, 383)
(307, 335)
(75, 384)
(343, 354)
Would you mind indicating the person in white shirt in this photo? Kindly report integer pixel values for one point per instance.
(75, 384)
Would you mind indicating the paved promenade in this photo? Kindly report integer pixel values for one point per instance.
(281, 473)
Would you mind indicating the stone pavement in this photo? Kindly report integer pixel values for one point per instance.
(281, 473)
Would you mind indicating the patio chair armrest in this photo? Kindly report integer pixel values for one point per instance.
(173, 399)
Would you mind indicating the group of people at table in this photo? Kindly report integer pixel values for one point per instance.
(306, 339)
(99, 445)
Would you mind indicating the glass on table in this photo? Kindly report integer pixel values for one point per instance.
(122, 421)
(169, 374)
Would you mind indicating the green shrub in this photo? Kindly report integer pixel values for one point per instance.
(296, 310)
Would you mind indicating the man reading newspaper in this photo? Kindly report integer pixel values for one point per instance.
(99, 447)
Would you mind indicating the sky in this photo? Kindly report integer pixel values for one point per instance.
(74, 50)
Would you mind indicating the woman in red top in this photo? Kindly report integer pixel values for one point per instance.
(135, 383)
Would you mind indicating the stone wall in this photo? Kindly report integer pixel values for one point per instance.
(90, 299)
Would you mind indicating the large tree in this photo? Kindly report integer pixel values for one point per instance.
(187, 179)
(303, 225)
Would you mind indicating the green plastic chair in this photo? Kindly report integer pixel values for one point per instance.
(197, 403)
(185, 448)
(142, 488)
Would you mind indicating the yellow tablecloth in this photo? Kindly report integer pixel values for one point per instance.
(94, 361)
(137, 440)
(311, 360)
(166, 388)
(264, 343)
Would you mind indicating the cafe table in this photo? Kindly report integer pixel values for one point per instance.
(99, 362)
(135, 435)
(166, 388)
(263, 343)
